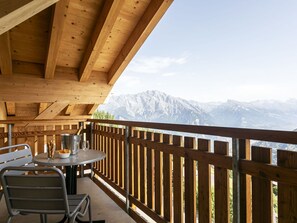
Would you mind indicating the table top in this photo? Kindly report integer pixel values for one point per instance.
(82, 157)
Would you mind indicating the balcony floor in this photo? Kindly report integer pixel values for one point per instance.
(102, 207)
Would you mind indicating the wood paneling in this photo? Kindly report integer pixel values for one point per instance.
(52, 111)
(10, 108)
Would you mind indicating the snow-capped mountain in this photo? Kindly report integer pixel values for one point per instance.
(155, 106)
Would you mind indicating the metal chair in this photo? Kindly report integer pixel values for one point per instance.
(16, 155)
(41, 190)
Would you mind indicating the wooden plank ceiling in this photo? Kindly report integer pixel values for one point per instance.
(60, 58)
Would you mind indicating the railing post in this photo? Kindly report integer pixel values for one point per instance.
(127, 142)
(10, 126)
(236, 180)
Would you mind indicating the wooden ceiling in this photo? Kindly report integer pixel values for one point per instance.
(60, 58)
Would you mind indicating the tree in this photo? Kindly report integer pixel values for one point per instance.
(102, 115)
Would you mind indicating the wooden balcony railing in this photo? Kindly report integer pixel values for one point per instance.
(162, 172)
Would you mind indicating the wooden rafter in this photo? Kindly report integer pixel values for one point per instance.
(148, 21)
(42, 107)
(101, 32)
(24, 88)
(69, 109)
(5, 54)
(13, 12)
(57, 26)
(52, 111)
(10, 108)
(91, 109)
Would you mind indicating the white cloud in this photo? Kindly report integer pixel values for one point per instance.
(169, 74)
(151, 65)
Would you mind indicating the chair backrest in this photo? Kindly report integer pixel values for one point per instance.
(16, 155)
(40, 190)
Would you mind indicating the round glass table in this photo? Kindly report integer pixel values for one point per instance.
(70, 163)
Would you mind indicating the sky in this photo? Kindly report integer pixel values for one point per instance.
(214, 50)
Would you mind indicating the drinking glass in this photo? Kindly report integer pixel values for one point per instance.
(85, 145)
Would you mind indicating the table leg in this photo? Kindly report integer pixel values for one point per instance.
(71, 179)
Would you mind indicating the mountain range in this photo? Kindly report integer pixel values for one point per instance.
(155, 106)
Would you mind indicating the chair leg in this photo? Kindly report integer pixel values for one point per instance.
(43, 218)
(89, 210)
(9, 219)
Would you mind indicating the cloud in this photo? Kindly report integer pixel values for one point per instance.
(152, 65)
(169, 74)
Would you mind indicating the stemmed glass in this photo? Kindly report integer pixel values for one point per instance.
(85, 145)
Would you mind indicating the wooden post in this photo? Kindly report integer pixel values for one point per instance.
(190, 183)
(262, 188)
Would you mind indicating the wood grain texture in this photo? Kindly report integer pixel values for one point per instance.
(10, 108)
(245, 184)
(57, 27)
(100, 34)
(167, 180)
(221, 186)
(261, 189)
(15, 12)
(287, 194)
(190, 183)
(177, 182)
(52, 111)
(158, 176)
(204, 192)
(144, 27)
(5, 54)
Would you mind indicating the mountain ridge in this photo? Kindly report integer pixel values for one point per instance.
(156, 106)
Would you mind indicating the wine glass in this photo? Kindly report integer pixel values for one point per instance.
(86, 145)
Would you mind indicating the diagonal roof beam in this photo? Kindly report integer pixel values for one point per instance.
(14, 12)
(101, 32)
(57, 26)
(52, 111)
(69, 109)
(5, 54)
(146, 24)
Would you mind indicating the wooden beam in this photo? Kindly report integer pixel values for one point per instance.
(42, 107)
(10, 108)
(69, 109)
(52, 111)
(101, 32)
(24, 88)
(5, 54)
(13, 13)
(3, 115)
(147, 23)
(91, 109)
(57, 26)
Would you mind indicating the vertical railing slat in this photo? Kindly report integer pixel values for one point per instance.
(136, 165)
(261, 189)
(221, 181)
(177, 183)
(167, 180)
(142, 168)
(190, 183)
(149, 173)
(2, 139)
(245, 184)
(158, 176)
(287, 195)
